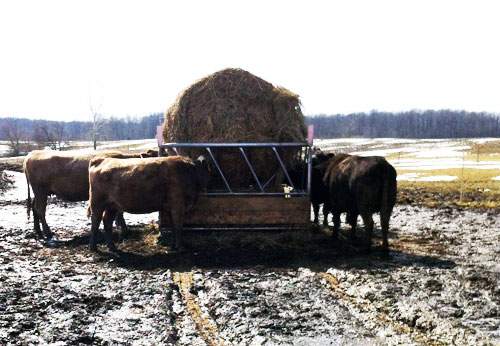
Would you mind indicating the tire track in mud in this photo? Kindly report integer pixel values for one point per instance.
(365, 307)
(205, 325)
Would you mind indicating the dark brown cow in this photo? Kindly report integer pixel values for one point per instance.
(143, 186)
(64, 174)
(361, 186)
(150, 153)
(319, 193)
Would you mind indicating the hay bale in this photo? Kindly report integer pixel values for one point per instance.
(233, 105)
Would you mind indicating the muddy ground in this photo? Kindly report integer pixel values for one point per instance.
(440, 286)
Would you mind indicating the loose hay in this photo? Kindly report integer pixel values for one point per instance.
(233, 105)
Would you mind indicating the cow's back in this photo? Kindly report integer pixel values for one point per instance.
(141, 186)
(62, 174)
(374, 183)
(358, 184)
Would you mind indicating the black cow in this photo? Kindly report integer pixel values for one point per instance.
(319, 193)
(360, 186)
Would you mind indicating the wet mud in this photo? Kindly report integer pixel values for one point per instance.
(439, 286)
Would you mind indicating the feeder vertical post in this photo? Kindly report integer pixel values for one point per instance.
(462, 179)
(310, 140)
(159, 139)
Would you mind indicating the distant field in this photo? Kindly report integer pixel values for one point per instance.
(435, 172)
(430, 171)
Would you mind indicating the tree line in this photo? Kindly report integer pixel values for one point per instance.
(24, 135)
(411, 124)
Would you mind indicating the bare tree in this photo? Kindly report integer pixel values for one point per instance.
(98, 122)
(51, 134)
(14, 133)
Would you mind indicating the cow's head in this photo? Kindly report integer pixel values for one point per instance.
(149, 153)
(203, 171)
(320, 157)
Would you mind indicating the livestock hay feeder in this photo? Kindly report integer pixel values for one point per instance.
(278, 202)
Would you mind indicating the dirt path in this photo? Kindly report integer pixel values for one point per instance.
(441, 285)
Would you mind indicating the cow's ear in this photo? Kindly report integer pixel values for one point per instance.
(201, 159)
(202, 162)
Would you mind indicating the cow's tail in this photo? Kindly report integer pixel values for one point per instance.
(28, 203)
(88, 212)
(389, 189)
(385, 196)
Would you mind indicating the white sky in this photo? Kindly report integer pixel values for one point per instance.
(57, 57)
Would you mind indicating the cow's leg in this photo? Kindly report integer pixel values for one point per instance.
(368, 222)
(166, 235)
(107, 219)
(39, 207)
(177, 219)
(325, 214)
(315, 211)
(384, 222)
(123, 226)
(352, 219)
(36, 221)
(336, 224)
(96, 221)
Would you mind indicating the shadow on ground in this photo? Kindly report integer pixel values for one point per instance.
(228, 250)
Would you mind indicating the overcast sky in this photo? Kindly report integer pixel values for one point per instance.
(134, 57)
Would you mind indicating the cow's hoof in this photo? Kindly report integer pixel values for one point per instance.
(165, 238)
(50, 243)
(123, 235)
(48, 236)
(386, 255)
(40, 237)
(112, 248)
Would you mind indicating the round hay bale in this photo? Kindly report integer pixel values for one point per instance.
(233, 105)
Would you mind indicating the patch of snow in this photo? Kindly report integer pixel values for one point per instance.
(456, 151)
(417, 177)
(444, 163)
(439, 178)
(4, 149)
(20, 193)
(147, 146)
(115, 144)
(484, 140)
(382, 152)
(342, 140)
(408, 177)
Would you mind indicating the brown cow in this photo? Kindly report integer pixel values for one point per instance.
(143, 186)
(64, 174)
(361, 186)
